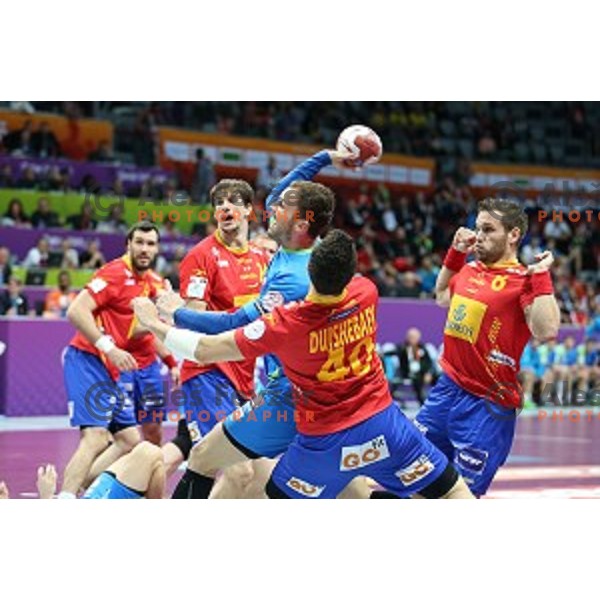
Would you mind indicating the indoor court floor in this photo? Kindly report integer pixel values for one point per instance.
(556, 454)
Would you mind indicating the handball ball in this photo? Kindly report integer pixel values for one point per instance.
(363, 143)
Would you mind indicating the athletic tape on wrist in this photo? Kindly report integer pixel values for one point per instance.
(105, 344)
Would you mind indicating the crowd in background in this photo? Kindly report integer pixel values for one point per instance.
(551, 133)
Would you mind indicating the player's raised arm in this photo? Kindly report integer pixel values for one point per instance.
(462, 244)
(543, 314)
(190, 345)
(306, 170)
(81, 315)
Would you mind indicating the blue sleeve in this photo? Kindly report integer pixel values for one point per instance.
(304, 171)
(211, 322)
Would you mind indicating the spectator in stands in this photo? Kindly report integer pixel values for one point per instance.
(92, 258)
(28, 180)
(5, 266)
(18, 142)
(44, 217)
(38, 256)
(204, 178)
(15, 215)
(172, 273)
(85, 220)
(12, 300)
(487, 145)
(115, 222)
(409, 285)
(56, 180)
(6, 177)
(268, 175)
(102, 153)
(531, 372)
(70, 258)
(415, 363)
(58, 300)
(560, 232)
(428, 273)
(44, 143)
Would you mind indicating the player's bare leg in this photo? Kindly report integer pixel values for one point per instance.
(152, 432)
(93, 442)
(143, 470)
(460, 491)
(360, 488)
(262, 467)
(233, 482)
(124, 441)
(213, 454)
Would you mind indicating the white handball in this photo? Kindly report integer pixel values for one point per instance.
(363, 143)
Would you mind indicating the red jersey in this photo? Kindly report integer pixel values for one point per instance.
(328, 353)
(486, 330)
(226, 279)
(113, 287)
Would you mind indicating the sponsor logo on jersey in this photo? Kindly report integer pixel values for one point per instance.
(416, 471)
(197, 287)
(222, 263)
(130, 282)
(342, 315)
(501, 358)
(305, 489)
(357, 457)
(472, 459)
(254, 331)
(97, 285)
(464, 318)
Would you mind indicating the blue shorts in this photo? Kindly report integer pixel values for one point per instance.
(207, 399)
(474, 433)
(145, 387)
(107, 487)
(264, 426)
(95, 400)
(386, 447)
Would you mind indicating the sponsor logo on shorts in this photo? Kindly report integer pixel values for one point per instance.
(415, 471)
(472, 459)
(305, 489)
(356, 457)
(422, 428)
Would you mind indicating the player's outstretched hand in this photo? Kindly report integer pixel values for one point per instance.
(464, 239)
(4, 494)
(46, 481)
(167, 303)
(146, 312)
(122, 360)
(543, 262)
(339, 158)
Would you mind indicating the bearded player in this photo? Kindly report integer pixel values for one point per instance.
(495, 306)
(107, 341)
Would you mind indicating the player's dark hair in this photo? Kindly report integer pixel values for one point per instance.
(333, 263)
(508, 212)
(316, 204)
(232, 187)
(144, 226)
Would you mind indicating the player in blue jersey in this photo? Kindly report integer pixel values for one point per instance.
(300, 211)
